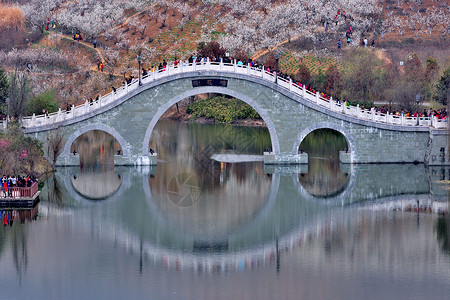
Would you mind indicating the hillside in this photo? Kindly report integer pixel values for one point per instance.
(302, 32)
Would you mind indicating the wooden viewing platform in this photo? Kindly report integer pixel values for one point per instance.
(20, 196)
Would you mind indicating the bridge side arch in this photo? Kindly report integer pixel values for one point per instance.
(96, 126)
(325, 125)
(219, 90)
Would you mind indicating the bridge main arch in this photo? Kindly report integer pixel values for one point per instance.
(219, 90)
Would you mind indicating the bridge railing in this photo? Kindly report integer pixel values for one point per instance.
(183, 67)
(16, 192)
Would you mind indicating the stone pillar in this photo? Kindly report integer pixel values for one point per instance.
(290, 84)
(59, 114)
(317, 97)
(304, 90)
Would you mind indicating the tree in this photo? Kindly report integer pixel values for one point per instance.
(4, 86)
(443, 87)
(429, 76)
(431, 69)
(366, 83)
(413, 69)
(405, 94)
(211, 49)
(56, 141)
(303, 74)
(333, 83)
(112, 59)
(18, 94)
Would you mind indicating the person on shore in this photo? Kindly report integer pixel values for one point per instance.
(5, 187)
(339, 44)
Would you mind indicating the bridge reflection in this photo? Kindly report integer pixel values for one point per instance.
(248, 231)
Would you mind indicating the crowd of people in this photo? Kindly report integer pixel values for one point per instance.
(440, 114)
(50, 25)
(10, 182)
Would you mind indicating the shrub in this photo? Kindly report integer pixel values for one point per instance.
(221, 110)
(43, 101)
(20, 154)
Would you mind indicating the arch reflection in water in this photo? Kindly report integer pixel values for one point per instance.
(208, 213)
(96, 185)
(324, 178)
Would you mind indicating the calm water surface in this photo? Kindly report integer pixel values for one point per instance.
(197, 228)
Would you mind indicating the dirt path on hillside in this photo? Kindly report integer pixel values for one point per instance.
(86, 44)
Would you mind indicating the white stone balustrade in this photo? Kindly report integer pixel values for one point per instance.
(183, 67)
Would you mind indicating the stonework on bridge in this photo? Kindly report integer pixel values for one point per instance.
(290, 116)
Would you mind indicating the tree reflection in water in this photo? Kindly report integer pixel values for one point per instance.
(443, 233)
(324, 177)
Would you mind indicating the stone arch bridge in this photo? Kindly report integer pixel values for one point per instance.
(289, 110)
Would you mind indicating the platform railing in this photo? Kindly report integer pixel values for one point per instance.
(206, 64)
(16, 192)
